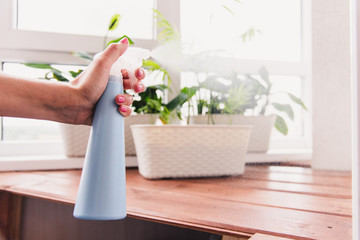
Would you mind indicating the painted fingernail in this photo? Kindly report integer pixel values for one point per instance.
(141, 73)
(139, 88)
(120, 99)
(123, 108)
(124, 40)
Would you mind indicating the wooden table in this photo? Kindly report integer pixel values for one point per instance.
(267, 202)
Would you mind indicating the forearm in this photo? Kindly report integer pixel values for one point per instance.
(38, 99)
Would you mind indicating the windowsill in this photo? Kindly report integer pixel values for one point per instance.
(50, 162)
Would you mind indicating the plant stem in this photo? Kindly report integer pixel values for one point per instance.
(105, 39)
(188, 116)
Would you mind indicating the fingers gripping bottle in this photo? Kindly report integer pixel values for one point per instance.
(102, 192)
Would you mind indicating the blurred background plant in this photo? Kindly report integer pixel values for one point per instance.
(244, 95)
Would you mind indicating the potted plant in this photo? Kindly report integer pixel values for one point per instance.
(148, 108)
(170, 151)
(228, 104)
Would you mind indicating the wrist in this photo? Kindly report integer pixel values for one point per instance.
(68, 105)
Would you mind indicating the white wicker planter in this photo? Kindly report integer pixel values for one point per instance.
(172, 151)
(262, 127)
(75, 137)
(135, 119)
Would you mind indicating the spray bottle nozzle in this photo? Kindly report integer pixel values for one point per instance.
(130, 60)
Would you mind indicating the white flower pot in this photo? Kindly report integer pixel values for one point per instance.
(131, 120)
(75, 137)
(171, 151)
(262, 127)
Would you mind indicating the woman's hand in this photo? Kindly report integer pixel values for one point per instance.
(68, 103)
(124, 100)
(90, 84)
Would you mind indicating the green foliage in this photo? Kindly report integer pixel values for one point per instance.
(39, 65)
(83, 55)
(153, 67)
(265, 92)
(250, 34)
(185, 96)
(54, 73)
(237, 100)
(114, 22)
(131, 42)
(236, 94)
(285, 108)
(281, 125)
(167, 32)
(296, 100)
(151, 102)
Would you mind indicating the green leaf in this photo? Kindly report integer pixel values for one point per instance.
(75, 74)
(281, 125)
(285, 108)
(167, 32)
(176, 102)
(160, 87)
(185, 95)
(237, 101)
(228, 9)
(154, 104)
(83, 55)
(190, 92)
(153, 66)
(114, 22)
(297, 100)
(131, 42)
(264, 74)
(39, 65)
(250, 34)
(150, 64)
(58, 76)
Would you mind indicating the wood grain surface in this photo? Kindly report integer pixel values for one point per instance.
(266, 202)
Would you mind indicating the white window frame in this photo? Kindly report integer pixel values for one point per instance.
(24, 45)
(300, 69)
(34, 46)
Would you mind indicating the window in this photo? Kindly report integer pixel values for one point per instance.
(220, 26)
(87, 17)
(216, 25)
(240, 38)
(50, 38)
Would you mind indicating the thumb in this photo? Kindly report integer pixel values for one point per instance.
(112, 53)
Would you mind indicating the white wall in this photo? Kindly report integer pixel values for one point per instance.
(331, 85)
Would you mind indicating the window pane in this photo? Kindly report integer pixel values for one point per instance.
(29, 129)
(276, 24)
(87, 17)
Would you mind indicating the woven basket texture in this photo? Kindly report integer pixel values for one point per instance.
(135, 119)
(173, 151)
(261, 132)
(75, 139)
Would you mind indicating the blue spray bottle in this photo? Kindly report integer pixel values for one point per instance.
(102, 191)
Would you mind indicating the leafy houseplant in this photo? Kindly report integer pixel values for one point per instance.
(230, 100)
(246, 94)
